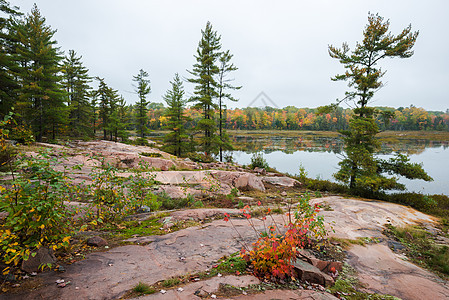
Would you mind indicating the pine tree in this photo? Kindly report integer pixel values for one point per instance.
(206, 87)
(224, 85)
(361, 169)
(107, 105)
(94, 111)
(76, 82)
(143, 89)
(118, 118)
(177, 141)
(8, 64)
(41, 97)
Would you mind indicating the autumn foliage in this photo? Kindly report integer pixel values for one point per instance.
(275, 250)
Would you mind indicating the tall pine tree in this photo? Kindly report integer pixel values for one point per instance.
(143, 89)
(177, 140)
(117, 120)
(41, 96)
(107, 104)
(76, 82)
(206, 87)
(8, 64)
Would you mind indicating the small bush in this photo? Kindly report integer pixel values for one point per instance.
(173, 203)
(258, 161)
(22, 134)
(229, 158)
(232, 264)
(151, 154)
(325, 186)
(199, 157)
(144, 289)
(7, 152)
(415, 200)
(141, 142)
(168, 283)
(273, 253)
(37, 216)
(241, 204)
(197, 204)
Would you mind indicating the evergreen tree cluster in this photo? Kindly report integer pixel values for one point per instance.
(54, 96)
(51, 93)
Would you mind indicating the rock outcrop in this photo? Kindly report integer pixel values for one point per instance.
(43, 256)
(307, 272)
(240, 180)
(281, 181)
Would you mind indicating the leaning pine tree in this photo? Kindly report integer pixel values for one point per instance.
(204, 72)
(177, 140)
(361, 169)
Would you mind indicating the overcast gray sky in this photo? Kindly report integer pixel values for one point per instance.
(280, 47)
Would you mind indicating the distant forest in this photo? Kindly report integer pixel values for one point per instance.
(293, 118)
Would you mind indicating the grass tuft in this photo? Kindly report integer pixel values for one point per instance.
(144, 289)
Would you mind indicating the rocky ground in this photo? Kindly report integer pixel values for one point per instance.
(111, 272)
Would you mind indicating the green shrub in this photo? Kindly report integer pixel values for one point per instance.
(151, 154)
(7, 152)
(325, 186)
(168, 283)
(232, 264)
(107, 193)
(415, 200)
(144, 289)
(258, 161)
(37, 216)
(199, 157)
(141, 142)
(173, 203)
(22, 134)
(139, 191)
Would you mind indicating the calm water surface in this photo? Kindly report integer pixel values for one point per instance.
(320, 157)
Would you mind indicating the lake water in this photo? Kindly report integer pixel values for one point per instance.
(320, 157)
